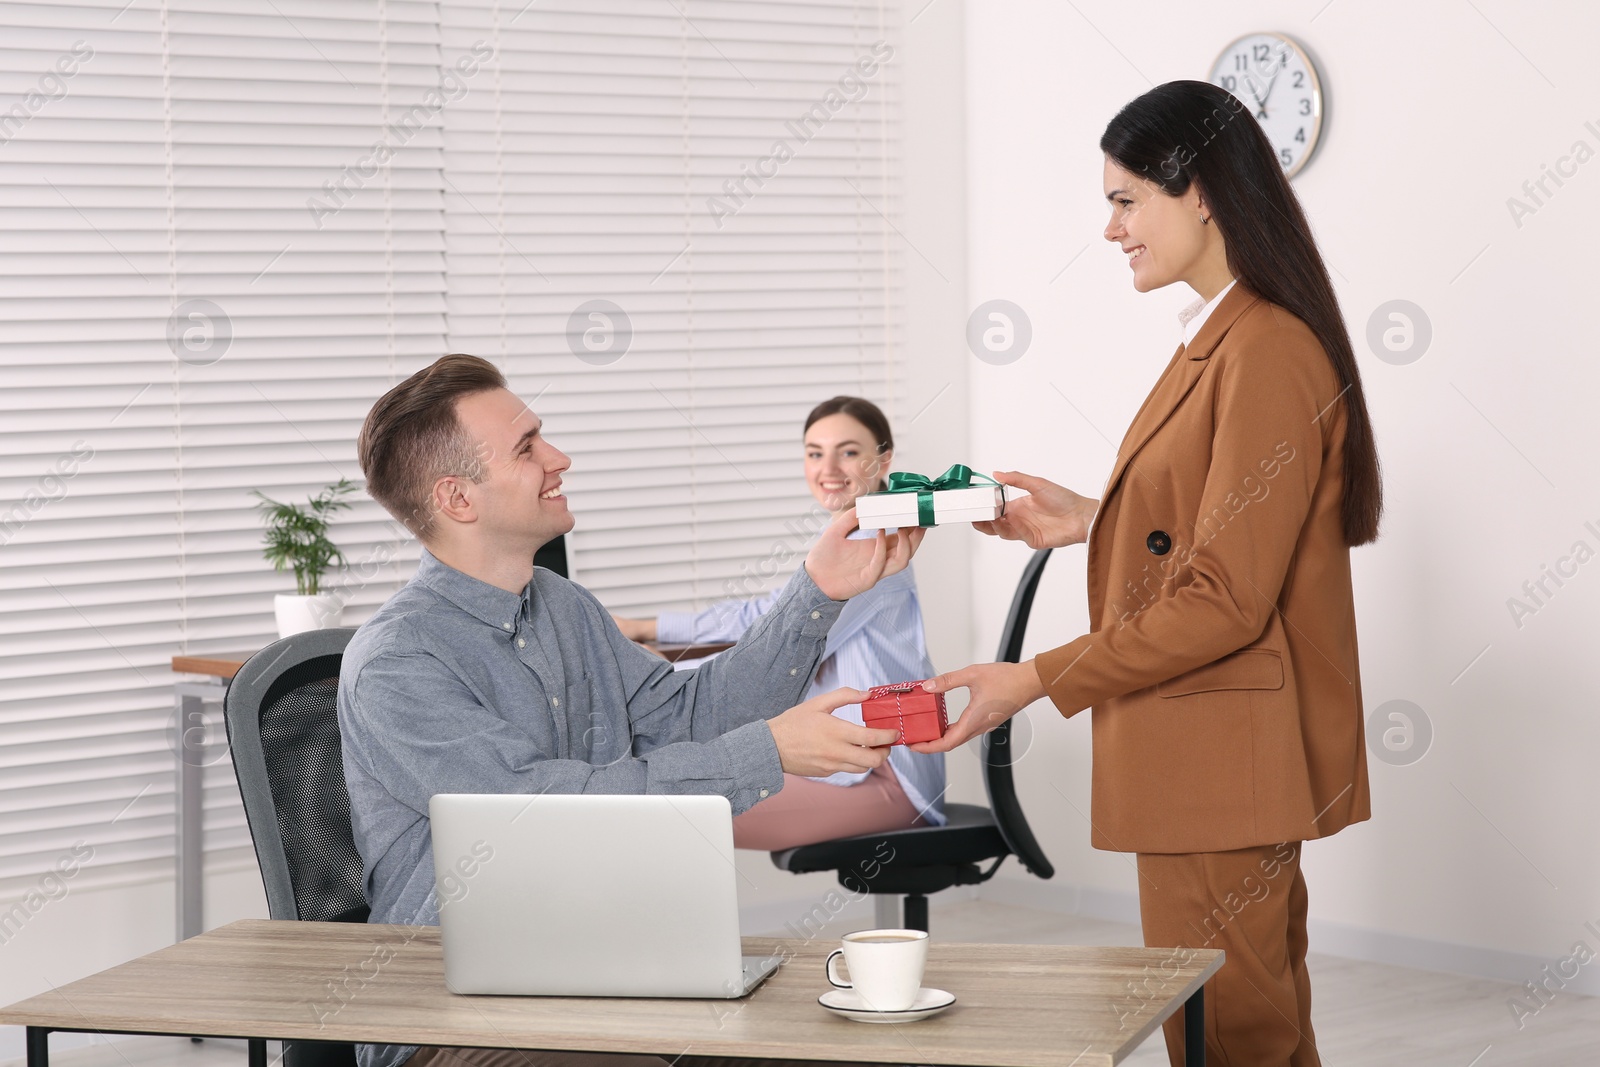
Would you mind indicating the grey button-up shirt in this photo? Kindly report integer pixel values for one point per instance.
(456, 686)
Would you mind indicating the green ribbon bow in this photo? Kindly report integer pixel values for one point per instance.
(959, 476)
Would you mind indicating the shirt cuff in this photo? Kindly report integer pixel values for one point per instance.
(818, 610)
(757, 770)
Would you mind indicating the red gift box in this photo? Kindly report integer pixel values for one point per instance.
(905, 706)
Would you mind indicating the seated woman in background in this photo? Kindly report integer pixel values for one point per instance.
(878, 639)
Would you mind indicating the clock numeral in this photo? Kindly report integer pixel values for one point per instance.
(1241, 62)
(1261, 52)
(1299, 77)
(1300, 135)
(1305, 105)
(1284, 157)
(1229, 82)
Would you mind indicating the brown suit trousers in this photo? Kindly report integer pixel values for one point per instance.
(1251, 903)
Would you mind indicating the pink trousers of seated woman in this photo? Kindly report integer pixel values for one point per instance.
(804, 812)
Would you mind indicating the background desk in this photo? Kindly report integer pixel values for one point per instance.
(205, 679)
(1016, 1005)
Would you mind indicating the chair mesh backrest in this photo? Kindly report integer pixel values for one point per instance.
(300, 743)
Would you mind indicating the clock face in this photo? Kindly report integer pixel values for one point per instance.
(1275, 79)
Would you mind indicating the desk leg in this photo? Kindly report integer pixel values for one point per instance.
(258, 1052)
(1194, 1029)
(38, 1042)
(189, 745)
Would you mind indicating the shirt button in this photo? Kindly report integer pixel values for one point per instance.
(521, 643)
(793, 671)
(506, 625)
(556, 701)
(816, 614)
(764, 794)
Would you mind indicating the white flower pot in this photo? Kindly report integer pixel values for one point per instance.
(297, 614)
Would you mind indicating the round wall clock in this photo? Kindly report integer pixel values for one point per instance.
(1277, 81)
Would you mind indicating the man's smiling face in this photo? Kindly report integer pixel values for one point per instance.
(519, 498)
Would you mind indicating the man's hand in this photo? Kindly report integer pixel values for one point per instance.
(1051, 516)
(814, 743)
(843, 568)
(996, 692)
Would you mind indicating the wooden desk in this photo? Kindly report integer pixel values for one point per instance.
(222, 665)
(1016, 1005)
(674, 653)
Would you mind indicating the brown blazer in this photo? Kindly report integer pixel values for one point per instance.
(1221, 664)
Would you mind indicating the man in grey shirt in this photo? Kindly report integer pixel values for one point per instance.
(484, 675)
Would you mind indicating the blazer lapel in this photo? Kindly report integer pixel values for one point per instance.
(1176, 382)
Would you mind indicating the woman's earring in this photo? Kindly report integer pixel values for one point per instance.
(1204, 220)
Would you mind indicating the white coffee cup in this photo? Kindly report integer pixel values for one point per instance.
(885, 966)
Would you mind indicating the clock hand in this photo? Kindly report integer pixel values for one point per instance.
(1270, 83)
(1261, 104)
(1250, 84)
(1282, 64)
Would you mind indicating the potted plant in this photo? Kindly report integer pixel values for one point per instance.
(297, 537)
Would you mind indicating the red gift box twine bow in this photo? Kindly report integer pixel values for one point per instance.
(898, 690)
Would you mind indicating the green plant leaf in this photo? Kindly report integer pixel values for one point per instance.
(296, 538)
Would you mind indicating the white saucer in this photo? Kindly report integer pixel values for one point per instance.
(848, 1003)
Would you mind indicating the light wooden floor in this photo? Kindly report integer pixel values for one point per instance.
(1366, 1014)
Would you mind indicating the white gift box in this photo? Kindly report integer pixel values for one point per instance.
(888, 511)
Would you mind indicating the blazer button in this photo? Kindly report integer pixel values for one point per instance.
(1158, 542)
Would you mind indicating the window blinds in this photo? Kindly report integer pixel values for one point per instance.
(227, 232)
(670, 222)
(179, 331)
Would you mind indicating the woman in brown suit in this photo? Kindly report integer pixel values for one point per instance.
(1221, 664)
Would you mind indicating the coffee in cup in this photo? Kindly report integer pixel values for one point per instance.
(885, 966)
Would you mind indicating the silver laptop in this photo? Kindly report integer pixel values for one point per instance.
(594, 896)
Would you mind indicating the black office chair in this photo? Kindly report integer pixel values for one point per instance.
(930, 858)
(283, 732)
(553, 555)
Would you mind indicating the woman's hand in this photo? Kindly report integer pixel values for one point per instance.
(996, 692)
(843, 568)
(636, 629)
(1051, 516)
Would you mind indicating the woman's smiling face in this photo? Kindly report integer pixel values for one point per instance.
(842, 461)
(1162, 235)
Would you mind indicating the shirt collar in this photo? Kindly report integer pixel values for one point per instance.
(1194, 316)
(484, 602)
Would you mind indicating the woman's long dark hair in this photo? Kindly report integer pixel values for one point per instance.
(1188, 133)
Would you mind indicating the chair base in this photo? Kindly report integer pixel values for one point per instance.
(915, 885)
(915, 914)
(916, 880)
(896, 913)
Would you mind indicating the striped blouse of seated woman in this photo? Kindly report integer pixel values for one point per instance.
(877, 639)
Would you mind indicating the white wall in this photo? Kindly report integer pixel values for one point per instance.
(1437, 115)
